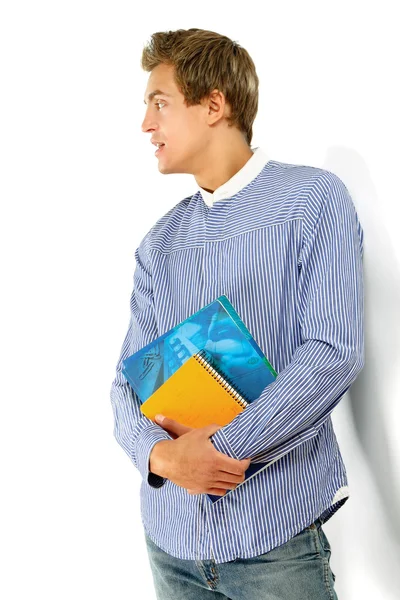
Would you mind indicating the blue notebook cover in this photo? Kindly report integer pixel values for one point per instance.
(217, 329)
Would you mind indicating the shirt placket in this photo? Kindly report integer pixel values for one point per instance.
(212, 259)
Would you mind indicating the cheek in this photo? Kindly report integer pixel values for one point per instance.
(189, 128)
(184, 135)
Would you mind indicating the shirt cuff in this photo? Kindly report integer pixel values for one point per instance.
(222, 444)
(145, 442)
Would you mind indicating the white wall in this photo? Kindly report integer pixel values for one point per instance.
(80, 188)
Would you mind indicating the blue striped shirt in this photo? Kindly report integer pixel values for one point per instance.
(286, 249)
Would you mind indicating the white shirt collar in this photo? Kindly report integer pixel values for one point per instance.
(244, 176)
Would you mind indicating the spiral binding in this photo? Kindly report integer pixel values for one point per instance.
(200, 356)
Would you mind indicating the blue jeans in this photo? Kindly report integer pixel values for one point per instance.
(296, 570)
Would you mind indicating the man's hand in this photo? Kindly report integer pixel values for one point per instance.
(191, 461)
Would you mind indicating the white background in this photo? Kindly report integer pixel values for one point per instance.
(80, 188)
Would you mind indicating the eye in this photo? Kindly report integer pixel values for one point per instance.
(159, 102)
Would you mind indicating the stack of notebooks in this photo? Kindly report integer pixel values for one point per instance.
(205, 370)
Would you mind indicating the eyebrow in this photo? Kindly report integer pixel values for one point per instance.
(156, 93)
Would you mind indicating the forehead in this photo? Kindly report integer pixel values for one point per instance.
(161, 81)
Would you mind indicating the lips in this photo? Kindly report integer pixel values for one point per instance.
(160, 149)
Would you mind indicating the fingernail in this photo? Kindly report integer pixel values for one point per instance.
(159, 418)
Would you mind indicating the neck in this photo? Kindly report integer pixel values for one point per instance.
(221, 164)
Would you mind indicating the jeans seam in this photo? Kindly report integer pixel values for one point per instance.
(327, 582)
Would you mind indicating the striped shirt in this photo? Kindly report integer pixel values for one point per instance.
(283, 242)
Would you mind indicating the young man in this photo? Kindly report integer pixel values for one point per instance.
(284, 243)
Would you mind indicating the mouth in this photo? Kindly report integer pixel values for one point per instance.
(159, 150)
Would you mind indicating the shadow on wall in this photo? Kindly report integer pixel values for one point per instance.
(374, 396)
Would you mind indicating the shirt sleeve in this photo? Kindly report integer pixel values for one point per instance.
(330, 305)
(135, 433)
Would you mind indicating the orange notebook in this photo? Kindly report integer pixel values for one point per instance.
(196, 395)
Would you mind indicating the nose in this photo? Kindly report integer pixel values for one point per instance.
(149, 123)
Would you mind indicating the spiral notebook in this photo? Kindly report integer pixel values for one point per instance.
(197, 395)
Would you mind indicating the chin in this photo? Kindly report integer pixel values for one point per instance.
(165, 169)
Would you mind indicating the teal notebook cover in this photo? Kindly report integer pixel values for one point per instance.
(217, 329)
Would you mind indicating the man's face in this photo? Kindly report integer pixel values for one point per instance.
(183, 130)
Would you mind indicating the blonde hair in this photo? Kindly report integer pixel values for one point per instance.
(203, 61)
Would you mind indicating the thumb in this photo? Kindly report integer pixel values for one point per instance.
(173, 426)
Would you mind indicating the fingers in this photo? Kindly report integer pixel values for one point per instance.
(232, 465)
(217, 492)
(218, 488)
(232, 478)
(220, 491)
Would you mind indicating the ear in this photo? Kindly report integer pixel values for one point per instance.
(217, 106)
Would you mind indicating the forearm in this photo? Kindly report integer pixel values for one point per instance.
(134, 432)
(293, 408)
